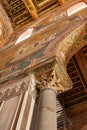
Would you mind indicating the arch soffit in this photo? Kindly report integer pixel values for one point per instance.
(74, 41)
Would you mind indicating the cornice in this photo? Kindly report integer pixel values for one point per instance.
(13, 89)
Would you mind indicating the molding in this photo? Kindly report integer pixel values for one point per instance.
(18, 87)
(13, 89)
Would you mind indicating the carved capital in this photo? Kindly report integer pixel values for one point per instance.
(47, 77)
(49, 80)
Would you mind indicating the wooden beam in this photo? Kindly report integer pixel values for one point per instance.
(31, 8)
(81, 62)
(35, 3)
(61, 1)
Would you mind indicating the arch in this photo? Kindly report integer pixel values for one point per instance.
(74, 41)
(6, 28)
(60, 37)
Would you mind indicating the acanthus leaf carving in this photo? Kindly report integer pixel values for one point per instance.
(49, 79)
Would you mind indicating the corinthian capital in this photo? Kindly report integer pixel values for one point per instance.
(49, 80)
(47, 77)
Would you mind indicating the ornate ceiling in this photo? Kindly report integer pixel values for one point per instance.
(48, 34)
(54, 34)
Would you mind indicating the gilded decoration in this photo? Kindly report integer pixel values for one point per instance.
(54, 35)
(5, 27)
(52, 76)
(74, 42)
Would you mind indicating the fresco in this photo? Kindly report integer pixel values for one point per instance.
(54, 36)
(5, 27)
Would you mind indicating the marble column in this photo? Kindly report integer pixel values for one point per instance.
(46, 116)
(48, 82)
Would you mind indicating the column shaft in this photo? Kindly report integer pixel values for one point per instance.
(46, 116)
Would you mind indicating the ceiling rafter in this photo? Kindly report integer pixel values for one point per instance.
(61, 1)
(31, 8)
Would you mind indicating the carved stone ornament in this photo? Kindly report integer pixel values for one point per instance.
(49, 80)
(32, 89)
(52, 76)
(15, 88)
(7, 91)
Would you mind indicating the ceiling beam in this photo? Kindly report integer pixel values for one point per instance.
(31, 8)
(61, 1)
(81, 62)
